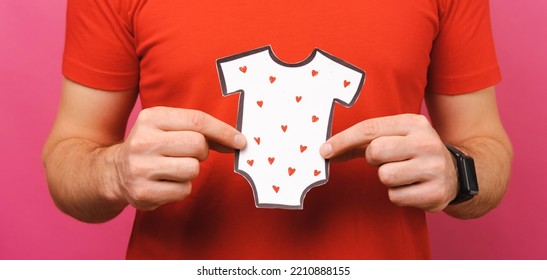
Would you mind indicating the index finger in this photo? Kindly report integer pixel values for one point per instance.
(213, 129)
(361, 134)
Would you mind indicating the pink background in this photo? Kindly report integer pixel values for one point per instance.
(31, 43)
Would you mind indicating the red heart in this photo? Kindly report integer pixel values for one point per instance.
(275, 188)
(250, 162)
(346, 83)
(291, 171)
(303, 148)
(284, 128)
(314, 73)
(316, 172)
(272, 79)
(243, 69)
(257, 139)
(271, 160)
(298, 98)
(314, 118)
(260, 103)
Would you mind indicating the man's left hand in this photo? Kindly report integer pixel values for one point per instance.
(413, 161)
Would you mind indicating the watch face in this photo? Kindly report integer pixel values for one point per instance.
(468, 176)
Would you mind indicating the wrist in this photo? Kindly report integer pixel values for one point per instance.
(110, 187)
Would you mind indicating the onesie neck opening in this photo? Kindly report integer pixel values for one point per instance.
(300, 63)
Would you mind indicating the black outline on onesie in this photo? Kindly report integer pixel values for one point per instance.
(240, 113)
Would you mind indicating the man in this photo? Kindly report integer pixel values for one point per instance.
(176, 165)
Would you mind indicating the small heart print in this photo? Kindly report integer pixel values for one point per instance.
(314, 73)
(291, 171)
(298, 98)
(250, 162)
(316, 172)
(260, 103)
(271, 160)
(272, 79)
(276, 188)
(257, 140)
(243, 69)
(346, 83)
(303, 148)
(314, 118)
(284, 128)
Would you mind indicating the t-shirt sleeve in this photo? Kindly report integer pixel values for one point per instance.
(100, 45)
(463, 57)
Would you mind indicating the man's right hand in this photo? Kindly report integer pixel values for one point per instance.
(93, 173)
(162, 154)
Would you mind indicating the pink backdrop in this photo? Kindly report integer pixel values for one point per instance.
(31, 42)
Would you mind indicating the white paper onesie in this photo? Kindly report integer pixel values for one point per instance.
(285, 112)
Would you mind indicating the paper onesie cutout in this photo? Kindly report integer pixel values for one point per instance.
(285, 112)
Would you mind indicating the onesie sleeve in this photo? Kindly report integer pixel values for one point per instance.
(348, 85)
(236, 73)
(463, 57)
(228, 73)
(100, 45)
(344, 80)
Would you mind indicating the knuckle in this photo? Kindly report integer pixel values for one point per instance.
(226, 134)
(419, 120)
(386, 175)
(203, 153)
(369, 128)
(433, 168)
(395, 197)
(436, 198)
(198, 143)
(191, 168)
(130, 171)
(139, 196)
(147, 114)
(197, 120)
(146, 206)
(374, 152)
(438, 195)
(136, 169)
(138, 144)
(437, 169)
(429, 145)
(435, 209)
(185, 190)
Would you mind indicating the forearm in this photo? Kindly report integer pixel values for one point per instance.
(83, 181)
(492, 156)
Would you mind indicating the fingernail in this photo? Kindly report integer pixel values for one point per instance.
(325, 150)
(240, 141)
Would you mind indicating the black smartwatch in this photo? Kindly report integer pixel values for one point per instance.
(468, 186)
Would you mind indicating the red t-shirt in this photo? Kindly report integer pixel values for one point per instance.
(168, 49)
